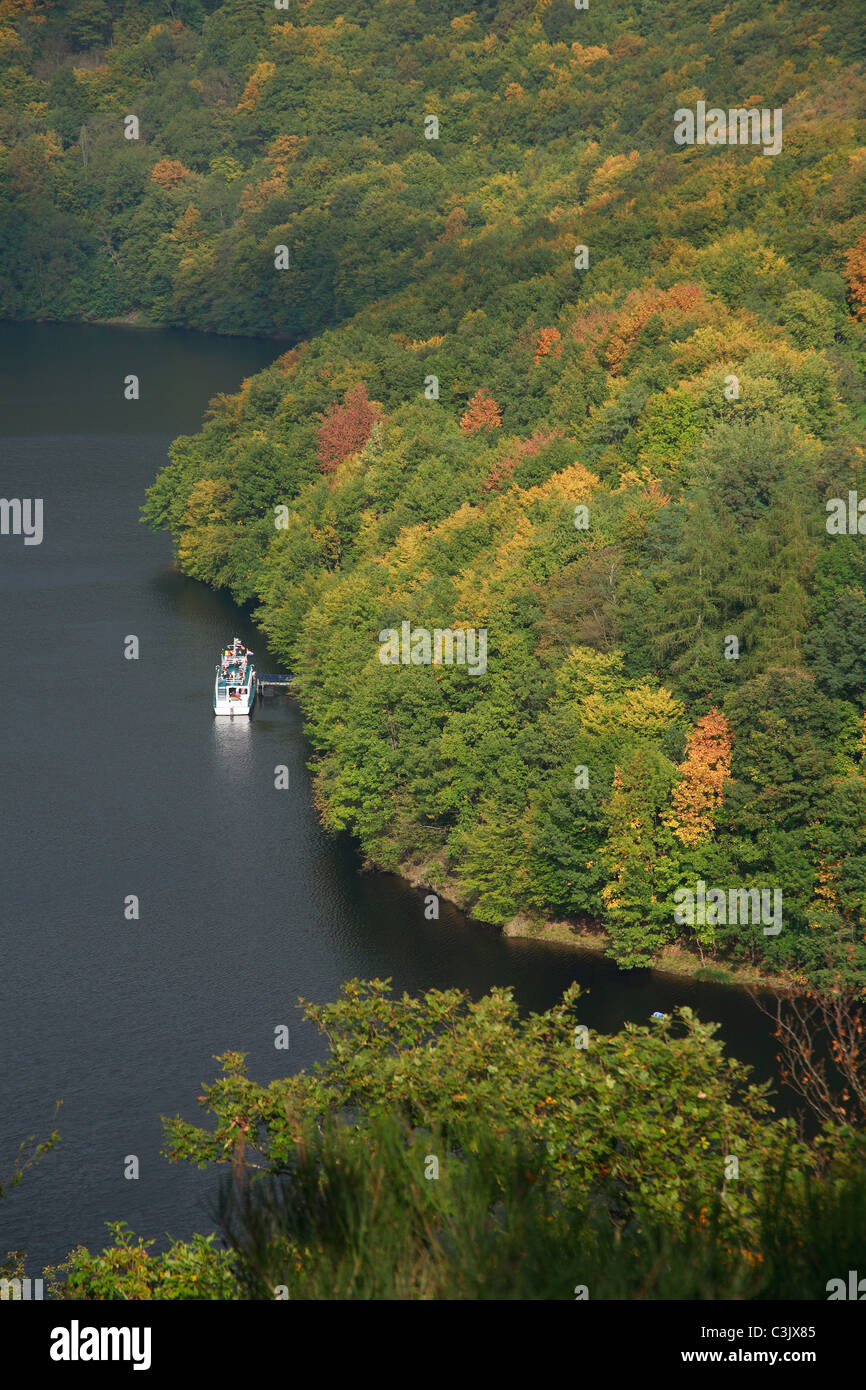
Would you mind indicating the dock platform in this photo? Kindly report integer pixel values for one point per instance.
(275, 685)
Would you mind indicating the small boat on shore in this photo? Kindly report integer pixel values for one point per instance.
(235, 685)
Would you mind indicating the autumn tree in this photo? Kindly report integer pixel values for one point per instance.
(482, 413)
(256, 83)
(549, 342)
(168, 173)
(706, 768)
(346, 428)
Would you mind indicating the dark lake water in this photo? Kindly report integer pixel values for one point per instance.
(116, 779)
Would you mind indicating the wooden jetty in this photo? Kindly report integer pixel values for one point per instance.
(275, 685)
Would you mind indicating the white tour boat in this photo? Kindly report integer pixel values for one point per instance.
(234, 690)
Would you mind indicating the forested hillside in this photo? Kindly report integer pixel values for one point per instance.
(551, 375)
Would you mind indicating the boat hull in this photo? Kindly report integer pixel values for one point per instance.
(234, 709)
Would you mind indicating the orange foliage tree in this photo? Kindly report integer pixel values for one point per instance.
(549, 340)
(168, 173)
(707, 766)
(346, 428)
(482, 413)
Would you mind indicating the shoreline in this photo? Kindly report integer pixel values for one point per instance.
(591, 938)
(136, 320)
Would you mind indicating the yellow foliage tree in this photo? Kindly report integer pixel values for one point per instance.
(641, 710)
(205, 502)
(256, 83)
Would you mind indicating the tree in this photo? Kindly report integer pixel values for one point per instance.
(836, 648)
(346, 428)
(822, 1038)
(168, 173)
(639, 910)
(783, 735)
(549, 341)
(437, 1062)
(482, 413)
(705, 770)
